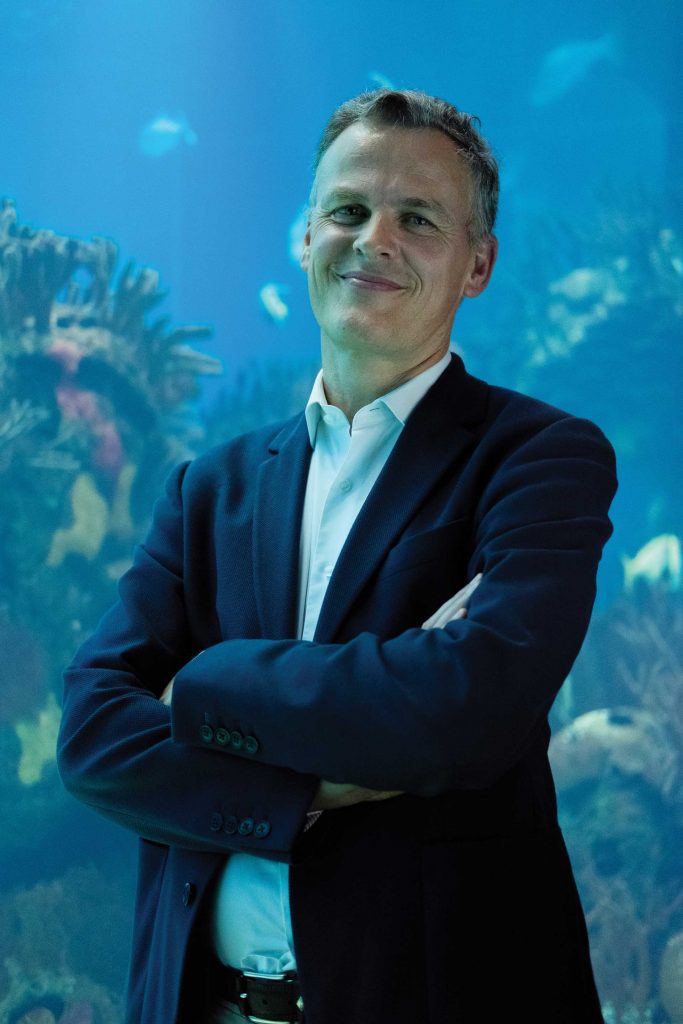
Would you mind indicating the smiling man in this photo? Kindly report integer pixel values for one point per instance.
(321, 700)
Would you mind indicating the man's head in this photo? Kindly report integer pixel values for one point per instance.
(410, 109)
(377, 151)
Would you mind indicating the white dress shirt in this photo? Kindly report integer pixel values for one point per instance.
(251, 924)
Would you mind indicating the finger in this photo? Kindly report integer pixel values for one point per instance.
(447, 610)
(168, 693)
(447, 617)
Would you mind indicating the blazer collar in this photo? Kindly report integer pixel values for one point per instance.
(437, 432)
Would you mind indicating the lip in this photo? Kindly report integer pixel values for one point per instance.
(363, 280)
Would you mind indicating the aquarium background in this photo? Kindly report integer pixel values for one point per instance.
(155, 160)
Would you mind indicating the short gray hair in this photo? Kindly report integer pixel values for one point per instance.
(409, 108)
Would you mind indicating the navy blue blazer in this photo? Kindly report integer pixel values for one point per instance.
(452, 903)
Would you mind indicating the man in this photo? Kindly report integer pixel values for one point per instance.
(366, 611)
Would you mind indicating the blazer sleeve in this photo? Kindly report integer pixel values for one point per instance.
(114, 749)
(432, 710)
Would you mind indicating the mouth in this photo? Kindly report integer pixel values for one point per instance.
(368, 282)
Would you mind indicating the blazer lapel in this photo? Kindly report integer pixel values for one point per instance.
(280, 493)
(437, 434)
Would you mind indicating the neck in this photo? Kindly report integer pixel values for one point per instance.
(352, 380)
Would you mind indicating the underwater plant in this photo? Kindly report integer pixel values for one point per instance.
(618, 769)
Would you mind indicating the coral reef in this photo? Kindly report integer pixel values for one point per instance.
(619, 775)
(671, 978)
(38, 738)
(91, 390)
(95, 406)
(53, 946)
(588, 317)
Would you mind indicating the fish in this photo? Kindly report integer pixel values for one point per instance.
(297, 232)
(273, 303)
(162, 134)
(658, 560)
(567, 64)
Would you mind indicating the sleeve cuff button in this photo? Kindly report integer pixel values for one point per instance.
(251, 744)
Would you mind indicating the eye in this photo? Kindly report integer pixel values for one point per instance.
(342, 209)
(418, 216)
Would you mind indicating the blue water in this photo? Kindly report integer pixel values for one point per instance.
(185, 132)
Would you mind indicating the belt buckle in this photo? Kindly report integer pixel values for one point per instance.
(244, 997)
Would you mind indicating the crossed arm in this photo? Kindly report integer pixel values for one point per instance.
(428, 710)
(332, 795)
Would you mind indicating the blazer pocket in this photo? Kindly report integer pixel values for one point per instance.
(450, 542)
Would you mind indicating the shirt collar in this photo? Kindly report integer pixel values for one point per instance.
(400, 402)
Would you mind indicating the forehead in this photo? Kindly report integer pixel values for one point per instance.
(409, 160)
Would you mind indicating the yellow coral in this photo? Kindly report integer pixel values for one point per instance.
(38, 738)
(91, 518)
(120, 522)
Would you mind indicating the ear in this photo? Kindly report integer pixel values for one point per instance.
(485, 256)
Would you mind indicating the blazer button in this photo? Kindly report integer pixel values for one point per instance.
(222, 737)
(188, 894)
(216, 822)
(251, 744)
(206, 733)
(230, 825)
(262, 829)
(236, 739)
(246, 826)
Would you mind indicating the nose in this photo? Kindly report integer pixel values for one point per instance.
(376, 236)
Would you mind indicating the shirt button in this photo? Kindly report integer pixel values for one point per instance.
(216, 822)
(262, 829)
(345, 486)
(251, 744)
(206, 733)
(246, 827)
(222, 737)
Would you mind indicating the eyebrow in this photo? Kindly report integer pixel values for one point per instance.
(416, 202)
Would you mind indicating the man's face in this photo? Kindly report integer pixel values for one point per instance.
(364, 221)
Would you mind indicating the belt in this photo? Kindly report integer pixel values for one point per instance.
(262, 998)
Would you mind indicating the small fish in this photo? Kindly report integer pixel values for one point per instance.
(580, 283)
(660, 558)
(163, 134)
(273, 303)
(297, 231)
(567, 64)
(380, 81)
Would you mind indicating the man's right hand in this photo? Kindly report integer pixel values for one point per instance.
(332, 795)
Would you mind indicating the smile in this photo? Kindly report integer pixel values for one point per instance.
(373, 286)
